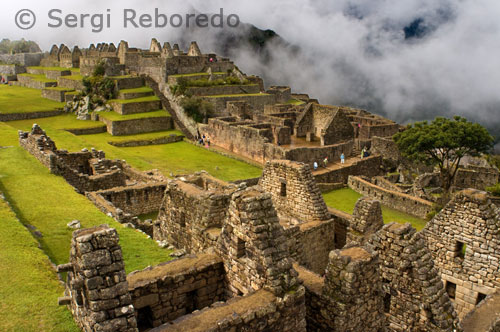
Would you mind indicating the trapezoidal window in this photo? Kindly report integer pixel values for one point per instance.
(451, 289)
(283, 189)
(460, 249)
(480, 298)
(240, 248)
(144, 319)
(387, 303)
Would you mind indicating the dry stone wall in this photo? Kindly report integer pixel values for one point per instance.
(173, 289)
(396, 200)
(464, 240)
(294, 191)
(97, 288)
(349, 297)
(414, 295)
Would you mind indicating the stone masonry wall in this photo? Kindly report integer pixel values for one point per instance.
(258, 312)
(136, 200)
(97, 287)
(464, 240)
(253, 246)
(294, 191)
(366, 220)
(167, 291)
(349, 298)
(396, 200)
(367, 166)
(414, 296)
(190, 217)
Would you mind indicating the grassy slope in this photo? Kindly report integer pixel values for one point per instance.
(16, 99)
(178, 158)
(23, 269)
(48, 203)
(345, 199)
(137, 90)
(41, 78)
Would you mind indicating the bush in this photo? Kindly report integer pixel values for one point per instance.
(436, 207)
(99, 69)
(98, 85)
(197, 108)
(494, 190)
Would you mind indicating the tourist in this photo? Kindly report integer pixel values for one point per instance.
(208, 141)
(315, 165)
(325, 162)
(342, 158)
(363, 152)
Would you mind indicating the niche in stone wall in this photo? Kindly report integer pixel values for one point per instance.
(451, 289)
(460, 249)
(144, 318)
(240, 248)
(283, 189)
(480, 298)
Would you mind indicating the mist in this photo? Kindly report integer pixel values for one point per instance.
(409, 60)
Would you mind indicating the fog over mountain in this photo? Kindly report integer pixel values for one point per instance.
(408, 60)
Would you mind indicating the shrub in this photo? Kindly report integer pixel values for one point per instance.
(494, 190)
(436, 207)
(99, 69)
(197, 108)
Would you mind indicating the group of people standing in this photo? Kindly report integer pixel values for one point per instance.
(325, 161)
(203, 140)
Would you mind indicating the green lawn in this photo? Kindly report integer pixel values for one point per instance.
(139, 137)
(58, 88)
(135, 100)
(345, 199)
(176, 158)
(137, 90)
(118, 117)
(36, 77)
(29, 287)
(48, 203)
(74, 77)
(294, 102)
(17, 99)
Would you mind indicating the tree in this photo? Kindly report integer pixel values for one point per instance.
(443, 143)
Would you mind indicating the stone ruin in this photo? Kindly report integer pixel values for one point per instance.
(464, 240)
(113, 186)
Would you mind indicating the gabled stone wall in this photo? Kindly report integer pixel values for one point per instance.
(464, 240)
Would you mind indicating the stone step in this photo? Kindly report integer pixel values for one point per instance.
(224, 90)
(128, 82)
(135, 93)
(137, 105)
(35, 81)
(55, 93)
(172, 79)
(136, 123)
(73, 82)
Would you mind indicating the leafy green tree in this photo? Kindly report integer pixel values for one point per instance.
(443, 143)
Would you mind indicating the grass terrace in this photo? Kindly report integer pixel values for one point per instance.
(143, 89)
(46, 202)
(74, 70)
(238, 95)
(17, 99)
(28, 285)
(294, 102)
(113, 116)
(345, 199)
(197, 74)
(40, 78)
(74, 77)
(176, 158)
(135, 100)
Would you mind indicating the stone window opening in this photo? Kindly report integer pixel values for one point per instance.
(460, 249)
(480, 298)
(144, 319)
(283, 189)
(182, 219)
(451, 289)
(191, 303)
(387, 302)
(240, 248)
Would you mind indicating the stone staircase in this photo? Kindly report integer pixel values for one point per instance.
(136, 110)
